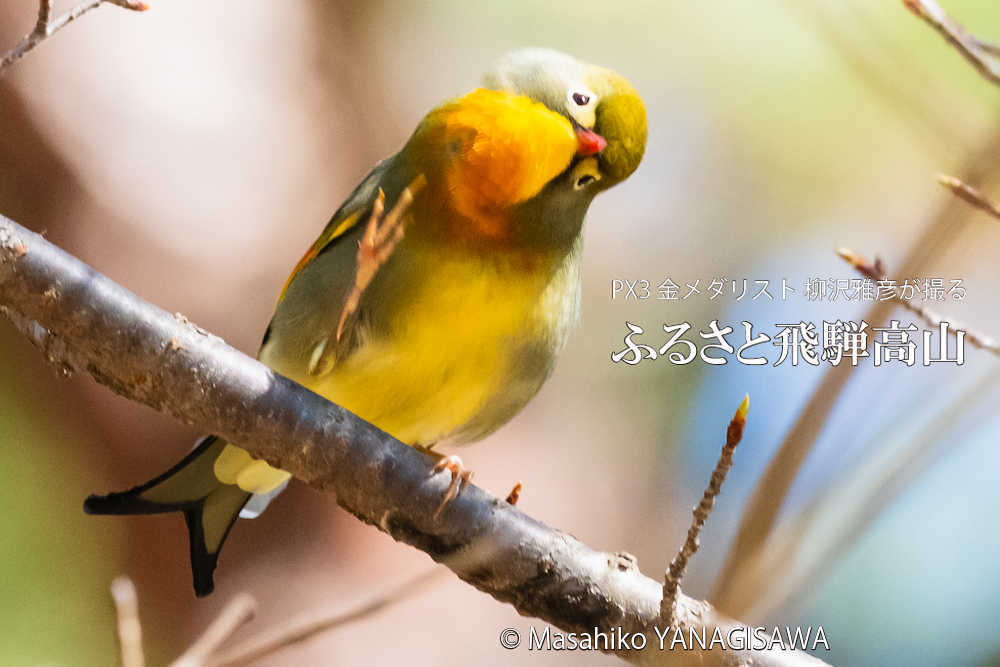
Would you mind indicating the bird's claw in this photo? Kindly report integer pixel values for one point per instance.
(382, 234)
(460, 478)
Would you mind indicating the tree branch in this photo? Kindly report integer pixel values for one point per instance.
(875, 271)
(981, 55)
(84, 322)
(45, 28)
(969, 194)
(672, 581)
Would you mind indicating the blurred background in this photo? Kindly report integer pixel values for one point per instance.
(193, 152)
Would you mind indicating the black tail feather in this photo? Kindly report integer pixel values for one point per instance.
(205, 548)
(130, 502)
(210, 507)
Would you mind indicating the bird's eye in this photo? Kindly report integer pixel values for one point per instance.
(582, 181)
(580, 99)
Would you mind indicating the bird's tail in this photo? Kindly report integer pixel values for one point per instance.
(210, 505)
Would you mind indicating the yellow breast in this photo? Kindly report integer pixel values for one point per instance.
(454, 347)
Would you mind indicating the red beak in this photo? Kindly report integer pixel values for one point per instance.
(589, 142)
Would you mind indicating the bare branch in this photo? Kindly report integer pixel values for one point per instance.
(672, 581)
(514, 495)
(237, 613)
(982, 55)
(44, 28)
(44, 11)
(309, 625)
(129, 627)
(969, 194)
(876, 271)
(148, 355)
(761, 510)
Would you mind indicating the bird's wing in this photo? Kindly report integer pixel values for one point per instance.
(306, 336)
(354, 210)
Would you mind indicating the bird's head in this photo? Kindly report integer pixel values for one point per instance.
(605, 110)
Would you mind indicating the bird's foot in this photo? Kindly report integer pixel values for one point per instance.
(382, 235)
(460, 478)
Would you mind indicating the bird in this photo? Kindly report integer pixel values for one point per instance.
(438, 319)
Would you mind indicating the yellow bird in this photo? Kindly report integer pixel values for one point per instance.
(439, 320)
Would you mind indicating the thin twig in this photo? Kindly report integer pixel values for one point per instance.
(969, 194)
(44, 11)
(306, 626)
(980, 54)
(875, 271)
(129, 627)
(515, 494)
(237, 613)
(44, 27)
(678, 566)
